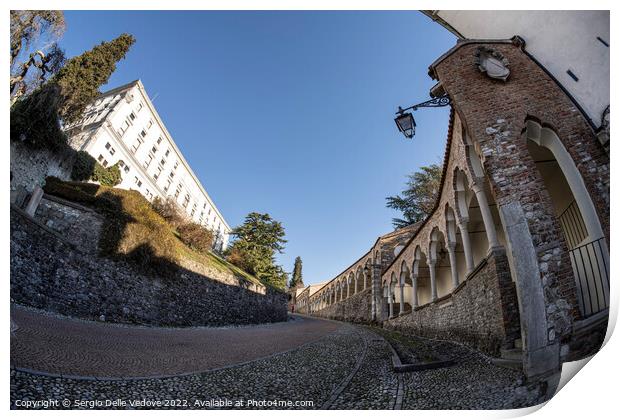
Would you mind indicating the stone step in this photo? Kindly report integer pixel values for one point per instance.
(512, 354)
(508, 363)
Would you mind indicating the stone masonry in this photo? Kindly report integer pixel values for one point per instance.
(52, 273)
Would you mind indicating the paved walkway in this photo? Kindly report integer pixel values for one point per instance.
(60, 345)
(328, 365)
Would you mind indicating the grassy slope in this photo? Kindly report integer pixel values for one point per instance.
(132, 226)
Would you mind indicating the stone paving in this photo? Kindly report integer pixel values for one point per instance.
(55, 344)
(348, 368)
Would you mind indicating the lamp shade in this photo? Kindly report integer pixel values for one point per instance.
(406, 124)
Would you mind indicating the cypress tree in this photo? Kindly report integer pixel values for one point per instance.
(80, 78)
(297, 278)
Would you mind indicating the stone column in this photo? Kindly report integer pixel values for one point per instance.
(373, 299)
(402, 297)
(469, 258)
(414, 292)
(453, 269)
(431, 268)
(355, 289)
(34, 201)
(390, 303)
(487, 217)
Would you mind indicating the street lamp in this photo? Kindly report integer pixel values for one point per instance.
(405, 121)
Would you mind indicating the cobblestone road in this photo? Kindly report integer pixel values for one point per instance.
(86, 348)
(348, 367)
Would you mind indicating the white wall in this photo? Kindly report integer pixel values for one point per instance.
(128, 116)
(559, 40)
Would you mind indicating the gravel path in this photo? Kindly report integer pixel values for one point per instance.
(60, 345)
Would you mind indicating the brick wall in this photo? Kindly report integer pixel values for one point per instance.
(494, 115)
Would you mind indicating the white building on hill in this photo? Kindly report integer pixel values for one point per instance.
(123, 126)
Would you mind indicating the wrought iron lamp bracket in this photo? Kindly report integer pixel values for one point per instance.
(431, 103)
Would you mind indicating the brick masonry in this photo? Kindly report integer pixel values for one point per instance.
(50, 272)
(494, 113)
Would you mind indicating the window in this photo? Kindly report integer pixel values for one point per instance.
(137, 182)
(140, 106)
(148, 160)
(136, 145)
(100, 158)
(186, 200)
(123, 128)
(123, 166)
(171, 175)
(156, 174)
(154, 149)
(132, 116)
(167, 152)
(162, 162)
(149, 124)
(105, 163)
(167, 187)
(176, 164)
(143, 133)
(159, 140)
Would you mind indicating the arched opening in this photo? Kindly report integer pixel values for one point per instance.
(359, 279)
(423, 278)
(350, 285)
(456, 241)
(577, 217)
(405, 282)
(443, 272)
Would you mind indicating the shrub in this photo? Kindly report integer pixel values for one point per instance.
(108, 177)
(83, 166)
(195, 236)
(169, 210)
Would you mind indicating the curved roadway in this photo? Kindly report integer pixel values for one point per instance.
(57, 345)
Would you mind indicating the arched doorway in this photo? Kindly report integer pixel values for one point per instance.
(575, 211)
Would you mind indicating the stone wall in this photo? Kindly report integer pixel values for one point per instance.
(30, 167)
(356, 308)
(481, 312)
(79, 224)
(50, 272)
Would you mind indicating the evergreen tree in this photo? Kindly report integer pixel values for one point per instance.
(36, 118)
(418, 199)
(297, 279)
(257, 241)
(80, 78)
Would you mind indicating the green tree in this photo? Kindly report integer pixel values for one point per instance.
(80, 78)
(418, 198)
(297, 278)
(257, 241)
(36, 118)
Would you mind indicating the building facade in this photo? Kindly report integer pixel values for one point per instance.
(571, 46)
(122, 126)
(514, 258)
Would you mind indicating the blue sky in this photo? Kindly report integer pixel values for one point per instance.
(289, 113)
